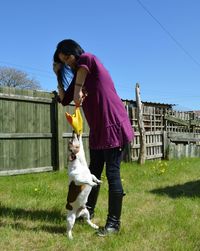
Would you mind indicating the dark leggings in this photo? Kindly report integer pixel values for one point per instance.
(112, 159)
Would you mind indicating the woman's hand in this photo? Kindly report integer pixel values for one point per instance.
(78, 95)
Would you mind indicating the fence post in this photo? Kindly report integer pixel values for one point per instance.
(166, 145)
(142, 155)
(59, 137)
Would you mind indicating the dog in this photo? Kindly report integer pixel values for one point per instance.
(81, 182)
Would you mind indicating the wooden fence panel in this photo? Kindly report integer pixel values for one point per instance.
(26, 131)
(183, 134)
(183, 145)
(154, 146)
(178, 151)
(158, 122)
(154, 126)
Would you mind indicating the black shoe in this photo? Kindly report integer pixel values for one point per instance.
(103, 232)
(112, 227)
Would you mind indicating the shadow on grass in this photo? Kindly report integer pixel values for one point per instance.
(46, 215)
(188, 189)
(53, 219)
(52, 229)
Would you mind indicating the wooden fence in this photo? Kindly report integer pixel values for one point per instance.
(169, 134)
(34, 133)
(27, 131)
(182, 136)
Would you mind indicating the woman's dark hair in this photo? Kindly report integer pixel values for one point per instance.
(56, 58)
(67, 47)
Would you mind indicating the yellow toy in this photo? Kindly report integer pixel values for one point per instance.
(75, 120)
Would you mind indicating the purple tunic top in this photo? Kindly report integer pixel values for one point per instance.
(104, 111)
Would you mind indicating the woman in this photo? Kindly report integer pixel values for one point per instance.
(110, 128)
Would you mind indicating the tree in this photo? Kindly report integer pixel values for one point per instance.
(12, 77)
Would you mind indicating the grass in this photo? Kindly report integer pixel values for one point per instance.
(161, 211)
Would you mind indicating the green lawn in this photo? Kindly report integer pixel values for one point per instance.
(161, 211)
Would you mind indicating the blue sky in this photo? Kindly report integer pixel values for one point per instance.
(155, 44)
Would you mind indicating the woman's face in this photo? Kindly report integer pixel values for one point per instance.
(67, 59)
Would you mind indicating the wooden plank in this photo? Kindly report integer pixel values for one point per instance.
(36, 161)
(155, 156)
(158, 132)
(154, 144)
(25, 98)
(184, 137)
(53, 122)
(177, 120)
(59, 139)
(6, 127)
(165, 145)
(26, 171)
(30, 116)
(12, 129)
(147, 145)
(26, 135)
(12, 154)
(69, 135)
(150, 133)
(186, 140)
(142, 155)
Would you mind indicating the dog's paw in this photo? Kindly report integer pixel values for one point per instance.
(69, 235)
(95, 226)
(92, 224)
(93, 184)
(99, 181)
